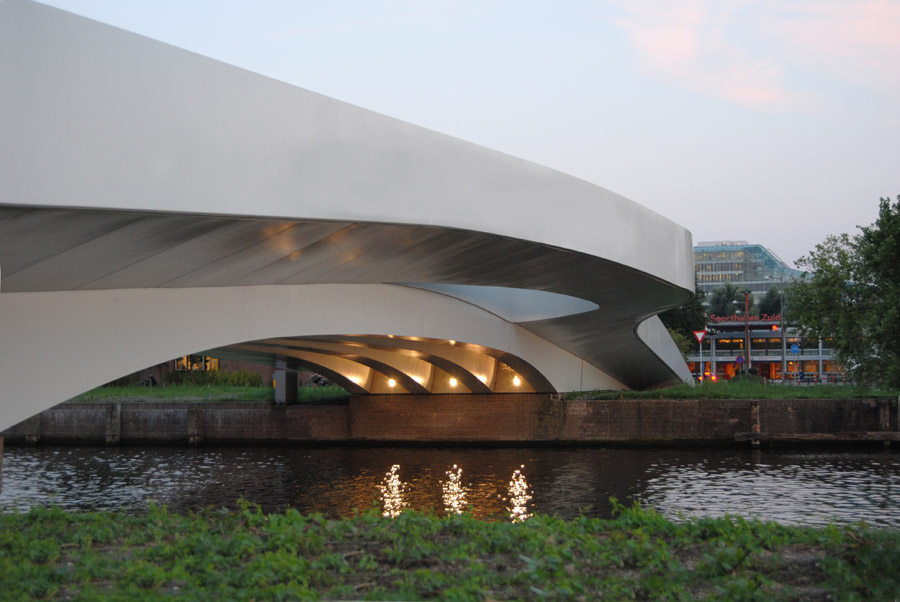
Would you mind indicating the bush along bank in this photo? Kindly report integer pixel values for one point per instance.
(247, 554)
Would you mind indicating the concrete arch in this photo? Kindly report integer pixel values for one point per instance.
(100, 335)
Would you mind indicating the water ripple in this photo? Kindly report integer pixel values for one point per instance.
(791, 488)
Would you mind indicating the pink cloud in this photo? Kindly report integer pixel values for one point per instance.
(691, 44)
(856, 40)
(743, 51)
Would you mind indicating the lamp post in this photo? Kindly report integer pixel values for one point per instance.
(747, 328)
(783, 346)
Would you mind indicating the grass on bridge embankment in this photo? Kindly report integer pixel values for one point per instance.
(246, 554)
(735, 389)
(187, 392)
(752, 388)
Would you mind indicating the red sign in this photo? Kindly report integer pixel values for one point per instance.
(737, 318)
(699, 334)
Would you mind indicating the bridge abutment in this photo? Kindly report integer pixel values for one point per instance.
(469, 419)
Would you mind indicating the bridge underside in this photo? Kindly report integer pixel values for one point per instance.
(70, 341)
(372, 364)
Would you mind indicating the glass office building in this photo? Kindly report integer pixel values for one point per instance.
(747, 266)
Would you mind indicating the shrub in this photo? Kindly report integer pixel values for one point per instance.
(238, 378)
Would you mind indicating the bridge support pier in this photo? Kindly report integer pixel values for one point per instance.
(285, 381)
(33, 429)
(113, 423)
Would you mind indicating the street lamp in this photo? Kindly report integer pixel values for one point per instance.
(783, 346)
(747, 328)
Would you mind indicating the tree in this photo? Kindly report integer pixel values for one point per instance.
(853, 297)
(684, 344)
(879, 250)
(724, 300)
(687, 317)
(771, 302)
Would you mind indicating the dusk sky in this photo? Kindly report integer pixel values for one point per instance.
(775, 122)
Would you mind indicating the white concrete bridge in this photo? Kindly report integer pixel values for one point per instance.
(155, 203)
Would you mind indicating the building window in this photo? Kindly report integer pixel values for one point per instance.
(196, 363)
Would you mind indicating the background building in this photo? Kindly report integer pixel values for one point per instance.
(747, 266)
(777, 352)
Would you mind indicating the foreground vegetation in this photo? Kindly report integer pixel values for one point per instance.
(246, 554)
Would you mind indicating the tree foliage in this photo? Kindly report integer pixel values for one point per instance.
(727, 300)
(686, 318)
(853, 297)
(771, 302)
(685, 345)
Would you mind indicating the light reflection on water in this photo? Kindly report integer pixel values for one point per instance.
(518, 497)
(454, 492)
(800, 488)
(392, 490)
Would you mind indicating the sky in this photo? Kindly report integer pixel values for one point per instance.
(771, 121)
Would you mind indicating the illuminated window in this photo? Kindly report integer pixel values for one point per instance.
(196, 363)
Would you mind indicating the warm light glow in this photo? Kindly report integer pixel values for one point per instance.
(392, 383)
(774, 326)
(355, 380)
(453, 382)
(481, 377)
(418, 379)
(714, 378)
(452, 342)
(517, 381)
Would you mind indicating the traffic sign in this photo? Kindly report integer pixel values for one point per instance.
(699, 334)
(740, 359)
(795, 348)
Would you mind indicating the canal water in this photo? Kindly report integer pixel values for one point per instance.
(501, 483)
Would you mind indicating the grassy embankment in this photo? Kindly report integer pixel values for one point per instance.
(740, 389)
(245, 554)
(213, 392)
(734, 389)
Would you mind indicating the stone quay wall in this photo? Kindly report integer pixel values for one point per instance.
(460, 419)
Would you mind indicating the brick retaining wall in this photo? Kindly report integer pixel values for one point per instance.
(513, 418)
